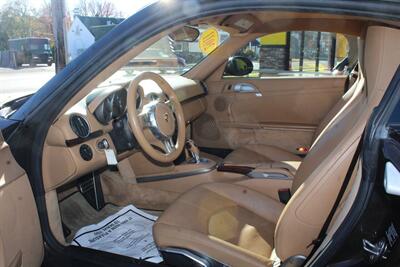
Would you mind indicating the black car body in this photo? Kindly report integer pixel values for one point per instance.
(373, 217)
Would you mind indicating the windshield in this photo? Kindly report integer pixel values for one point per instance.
(168, 57)
(27, 38)
(39, 45)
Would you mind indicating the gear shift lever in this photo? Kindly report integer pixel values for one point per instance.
(193, 150)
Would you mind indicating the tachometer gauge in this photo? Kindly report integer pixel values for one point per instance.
(103, 112)
(108, 108)
(119, 103)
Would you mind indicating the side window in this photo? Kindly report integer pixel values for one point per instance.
(300, 53)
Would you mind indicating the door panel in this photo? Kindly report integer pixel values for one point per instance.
(283, 112)
(20, 235)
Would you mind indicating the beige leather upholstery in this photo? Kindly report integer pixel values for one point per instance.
(259, 153)
(277, 118)
(227, 221)
(214, 219)
(21, 241)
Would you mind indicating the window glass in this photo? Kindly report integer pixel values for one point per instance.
(167, 57)
(300, 53)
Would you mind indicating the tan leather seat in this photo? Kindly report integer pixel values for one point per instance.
(255, 154)
(240, 227)
(259, 153)
(224, 218)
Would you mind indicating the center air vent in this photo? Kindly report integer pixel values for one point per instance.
(79, 125)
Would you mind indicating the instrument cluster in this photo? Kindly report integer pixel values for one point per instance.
(112, 107)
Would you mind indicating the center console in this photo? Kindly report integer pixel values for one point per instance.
(189, 164)
(258, 171)
(193, 169)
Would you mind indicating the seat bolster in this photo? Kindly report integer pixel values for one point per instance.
(196, 206)
(215, 219)
(167, 236)
(260, 154)
(260, 204)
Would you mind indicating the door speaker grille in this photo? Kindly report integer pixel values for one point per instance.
(206, 127)
(220, 104)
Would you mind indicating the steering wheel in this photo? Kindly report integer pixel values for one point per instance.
(163, 117)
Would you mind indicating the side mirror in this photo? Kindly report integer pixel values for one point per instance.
(185, 34)
(239, 66)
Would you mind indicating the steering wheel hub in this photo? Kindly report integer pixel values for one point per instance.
(162, 121)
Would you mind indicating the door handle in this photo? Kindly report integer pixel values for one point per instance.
(246, 88)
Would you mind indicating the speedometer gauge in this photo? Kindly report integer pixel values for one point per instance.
(119, 103)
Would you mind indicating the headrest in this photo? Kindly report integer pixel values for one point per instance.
(381, 58)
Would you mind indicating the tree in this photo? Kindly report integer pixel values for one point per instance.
(45, 19)
(99, 8)
(19, 20)
(16, 21)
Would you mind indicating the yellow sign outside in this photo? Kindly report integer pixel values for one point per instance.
(274, 39)
(208, 41)
(341, 46)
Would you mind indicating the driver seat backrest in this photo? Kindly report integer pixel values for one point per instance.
(317, 181)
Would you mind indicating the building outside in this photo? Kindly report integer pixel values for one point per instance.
(84, 31)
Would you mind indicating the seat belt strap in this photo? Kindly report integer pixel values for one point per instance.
(322, 234)
(284, 195)
(352, 73)
(347, 84)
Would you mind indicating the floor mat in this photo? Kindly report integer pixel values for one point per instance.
(76, 212)
(127, 232)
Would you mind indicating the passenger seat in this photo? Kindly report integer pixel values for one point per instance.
(278, 157)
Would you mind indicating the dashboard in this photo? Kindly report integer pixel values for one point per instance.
(76, 141)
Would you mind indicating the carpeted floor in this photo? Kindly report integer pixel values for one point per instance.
(76, 212)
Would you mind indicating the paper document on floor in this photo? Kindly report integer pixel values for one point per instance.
(127, 232)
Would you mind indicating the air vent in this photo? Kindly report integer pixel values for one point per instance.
(79, 125)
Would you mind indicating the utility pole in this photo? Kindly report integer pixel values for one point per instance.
(301, 61)
(332, 55)
(58, 11)
(318, 52)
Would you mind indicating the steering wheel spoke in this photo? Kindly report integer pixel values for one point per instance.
(142, 120)
(169, 145)
(171, 104)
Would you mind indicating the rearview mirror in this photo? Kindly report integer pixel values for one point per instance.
(239, 66)
(185, 34)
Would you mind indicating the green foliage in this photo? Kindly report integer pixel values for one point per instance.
(18, 20)
(247, 52)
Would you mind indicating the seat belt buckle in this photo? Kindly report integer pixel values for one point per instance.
(284, 195)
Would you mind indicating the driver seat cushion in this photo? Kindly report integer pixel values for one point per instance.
(263, 154)
(227, 222)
